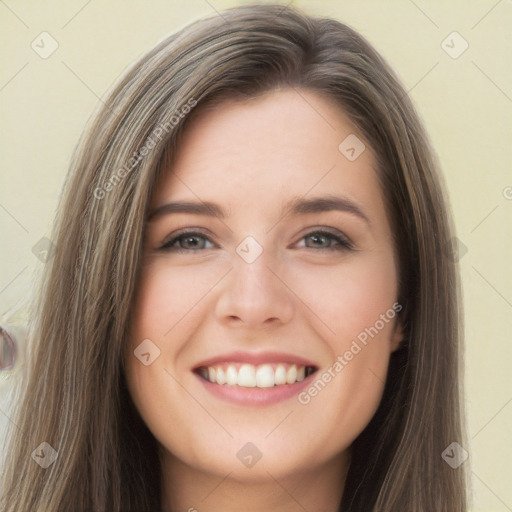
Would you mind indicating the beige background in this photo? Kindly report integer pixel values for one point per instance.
(466, 104)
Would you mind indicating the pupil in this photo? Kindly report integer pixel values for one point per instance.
(317, 239)
(194, 242)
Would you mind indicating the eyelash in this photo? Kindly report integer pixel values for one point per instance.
(342, 243)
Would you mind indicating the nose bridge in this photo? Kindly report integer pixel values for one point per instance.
(253, 280)
(253, 294)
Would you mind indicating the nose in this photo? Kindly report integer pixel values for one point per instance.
(254, 296)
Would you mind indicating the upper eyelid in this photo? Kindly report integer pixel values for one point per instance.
(344, 239)
(186, 231)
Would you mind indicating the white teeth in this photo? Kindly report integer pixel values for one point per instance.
(265, 376)
(250, 376)
(247, 376)
(231, 376)
(280, 375)
(291, 374)
(221, 376)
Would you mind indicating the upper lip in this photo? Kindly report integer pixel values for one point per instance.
(256, 358)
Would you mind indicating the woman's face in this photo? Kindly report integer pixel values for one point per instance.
(268, 269)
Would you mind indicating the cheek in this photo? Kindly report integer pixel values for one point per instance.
(166, 296)
(350, 297)
(168, 306)
(155, 312)
(356, 303)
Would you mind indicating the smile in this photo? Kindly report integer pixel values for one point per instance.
(255, 379)
(259, 376)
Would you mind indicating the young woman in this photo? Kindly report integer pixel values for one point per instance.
(249, 306)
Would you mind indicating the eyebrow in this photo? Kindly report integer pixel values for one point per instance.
(297, 206)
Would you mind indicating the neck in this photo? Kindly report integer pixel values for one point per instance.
(187, 489)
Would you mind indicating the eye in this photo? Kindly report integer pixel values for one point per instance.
(191, 241)
(325, 240)
(188, 241)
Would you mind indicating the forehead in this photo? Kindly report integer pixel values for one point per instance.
(259, 152)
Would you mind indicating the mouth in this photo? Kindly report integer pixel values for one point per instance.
(267, 375)
(255, 379)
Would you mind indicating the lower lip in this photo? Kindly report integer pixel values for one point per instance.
(255, 396)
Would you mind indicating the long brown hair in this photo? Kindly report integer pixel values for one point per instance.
(76, 398)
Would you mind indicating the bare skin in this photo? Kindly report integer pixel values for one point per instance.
(306, 295)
